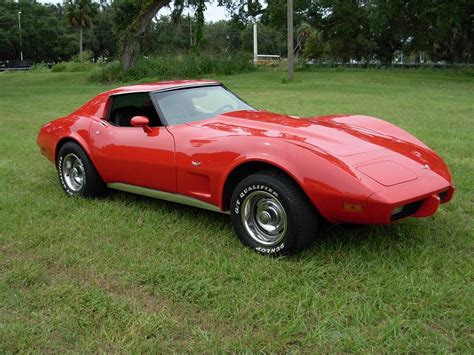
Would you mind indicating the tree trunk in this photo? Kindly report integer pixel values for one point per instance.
(138, 27)
(80, 41)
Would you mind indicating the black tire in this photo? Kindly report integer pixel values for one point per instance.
(259, 205)
(89, 183)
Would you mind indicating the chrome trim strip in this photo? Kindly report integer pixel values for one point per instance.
(177, 87)
(189, 86)
(163, 195)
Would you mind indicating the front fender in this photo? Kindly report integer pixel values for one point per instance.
(330, 184)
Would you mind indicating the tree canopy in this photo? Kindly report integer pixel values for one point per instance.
(333, 29)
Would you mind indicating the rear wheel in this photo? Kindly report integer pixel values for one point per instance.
(77, 174)
(272, 215)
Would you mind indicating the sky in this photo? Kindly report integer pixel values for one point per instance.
(212, 14)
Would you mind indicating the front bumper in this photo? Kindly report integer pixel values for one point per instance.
(384, 208)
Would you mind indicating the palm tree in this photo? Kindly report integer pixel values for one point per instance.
(79, 14)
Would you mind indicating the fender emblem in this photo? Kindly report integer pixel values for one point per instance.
(196, 163)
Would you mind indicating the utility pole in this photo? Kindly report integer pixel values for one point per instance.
(255, 43)
(290, 38)
(21, 41)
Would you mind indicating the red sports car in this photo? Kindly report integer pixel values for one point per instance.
(197, 143)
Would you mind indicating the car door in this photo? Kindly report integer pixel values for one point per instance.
(201, 157)
(130, 155)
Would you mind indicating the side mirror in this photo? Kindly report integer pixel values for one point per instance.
(141, 121)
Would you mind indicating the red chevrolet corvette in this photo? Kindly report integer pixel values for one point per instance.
(197, 143)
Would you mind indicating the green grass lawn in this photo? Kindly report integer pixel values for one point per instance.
(128, 273)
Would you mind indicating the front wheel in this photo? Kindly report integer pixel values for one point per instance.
(272, 215)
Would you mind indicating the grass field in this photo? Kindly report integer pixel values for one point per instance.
(128, 273)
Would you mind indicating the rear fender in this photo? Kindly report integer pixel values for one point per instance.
(54, 134)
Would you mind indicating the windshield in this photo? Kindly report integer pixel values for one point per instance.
(196, 104)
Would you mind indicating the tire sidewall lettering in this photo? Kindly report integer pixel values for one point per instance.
(251, 188)
(271, 250)
(260, 187)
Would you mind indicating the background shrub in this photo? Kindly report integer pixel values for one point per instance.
(39, 68)
(84, 57)
(73, 67)
(79, 63)
(190, 65)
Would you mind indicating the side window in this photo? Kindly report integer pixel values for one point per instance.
(126, 106)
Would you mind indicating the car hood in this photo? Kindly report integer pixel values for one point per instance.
(360, 145)
(326, 133)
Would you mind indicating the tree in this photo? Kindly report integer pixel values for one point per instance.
(346, 29)
(80, 14)
(330, 29)
(243, 11)
(38, 22)
(136, 21)
(303, 11)
(270, 39)
(103, 39)
(314, 46)
(139, 22)
(389, 27)
(445, 29)
(200, 8)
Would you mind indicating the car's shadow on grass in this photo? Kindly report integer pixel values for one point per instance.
(163, 206)
(399, 240)
(369, 239)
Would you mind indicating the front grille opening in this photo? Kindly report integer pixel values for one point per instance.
(442, 196)
(407, 210)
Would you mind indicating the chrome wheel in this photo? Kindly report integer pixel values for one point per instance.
(264, 218)
(73, 173)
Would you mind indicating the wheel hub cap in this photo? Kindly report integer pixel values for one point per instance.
(73, 172)
(264, 218)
